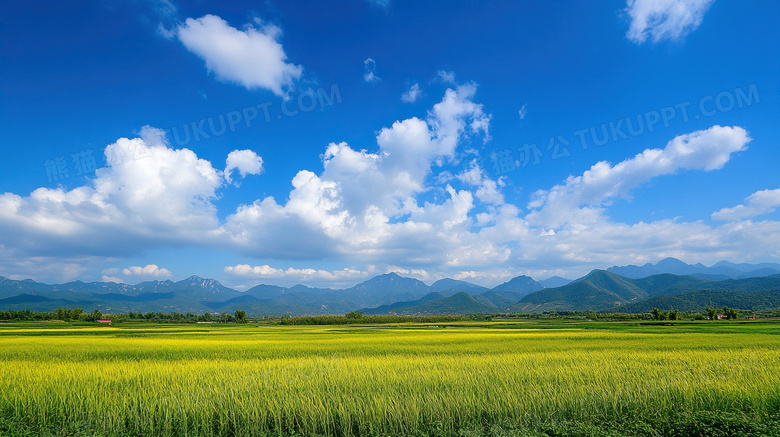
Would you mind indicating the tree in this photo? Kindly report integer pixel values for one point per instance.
(60, 314)
(96, 315)
(354, 315)
(674, 315)
(240, 316)
(75, 314)
(657, 314)
(712, 313)
(731, 313)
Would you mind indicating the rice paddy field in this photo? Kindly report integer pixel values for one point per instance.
(468, 378)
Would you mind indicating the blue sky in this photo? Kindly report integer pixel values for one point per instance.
(301, 141)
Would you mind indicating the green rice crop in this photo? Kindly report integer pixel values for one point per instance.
(381, 380)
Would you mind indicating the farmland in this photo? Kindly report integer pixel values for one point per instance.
(460, 378)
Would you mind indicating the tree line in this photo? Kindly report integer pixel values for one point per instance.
(78, 315)
(708, 314)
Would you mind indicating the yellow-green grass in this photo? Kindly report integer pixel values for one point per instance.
(407, 380)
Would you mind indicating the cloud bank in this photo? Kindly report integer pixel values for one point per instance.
(411, 202)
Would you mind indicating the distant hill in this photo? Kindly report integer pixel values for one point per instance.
(598, 290)
(385, 289)
(503, 300)
(520, 284)
(455, 285)
(437, 304)
(720, 270)
(555, 281)
(602, 291)
(393, 294)
(701, 299)
(200, 295)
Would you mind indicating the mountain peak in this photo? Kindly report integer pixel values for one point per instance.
(388, 288)
(521, 284)
(555, 281)
(455, 284)
(600, 273)
(669, 261)
(388, 277)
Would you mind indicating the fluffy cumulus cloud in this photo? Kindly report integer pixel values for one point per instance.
(252, 57)
(148, 271)
(760, 202)
(364, 205)
(411, 95)
(150, 195)
(245, 162)
(579, 198)
(661, 20)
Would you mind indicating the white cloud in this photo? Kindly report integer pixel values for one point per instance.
(369, 71)
(149, 196)
(664, 19)
(304, 274)
(401, 205)
(447, 77)
(106, 278)
(349, 209)
(412, 94)
(488, 190)
(579, 198)
(148, 271)
(245, 161)
(522, 112)
(252, 57)
(760, 202)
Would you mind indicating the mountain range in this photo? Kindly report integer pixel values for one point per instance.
(669, 284)
(718, 271)
(199, 295)
(604, 291)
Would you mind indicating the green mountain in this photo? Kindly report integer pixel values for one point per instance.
(605, 291)
(596, 291)
(702, 299)
(503, 300)
(385, 289)
(451, 286)
(392, 294)
(200, 295)
(520, 284)
(719, 271)
(437, 304)
(555, 281)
